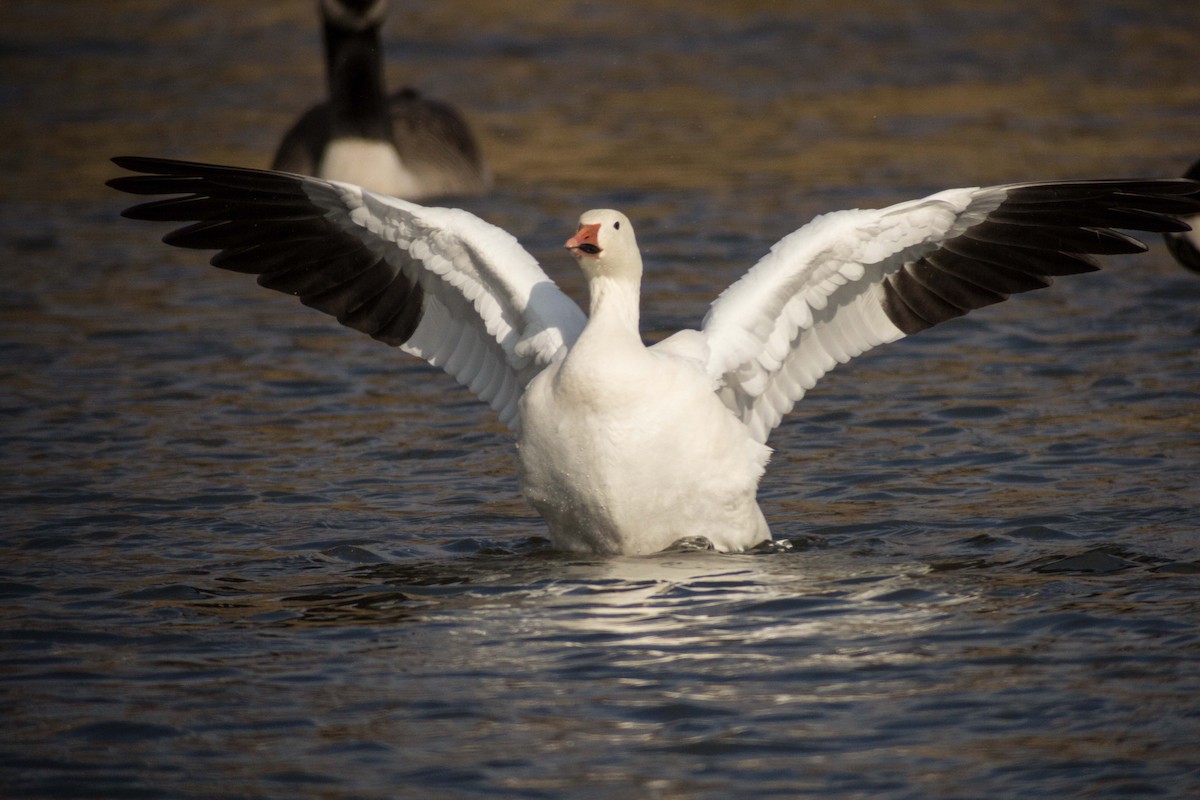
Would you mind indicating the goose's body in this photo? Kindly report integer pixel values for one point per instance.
(404, 144)
(601, 455)
(625, 448)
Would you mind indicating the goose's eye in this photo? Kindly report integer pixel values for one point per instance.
(589, 248)
(617, 225)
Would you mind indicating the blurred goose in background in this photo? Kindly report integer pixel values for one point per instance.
(623, 448)
(404, 145)
(1186, 246)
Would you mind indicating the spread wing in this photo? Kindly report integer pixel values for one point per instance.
(438, 283)
(851, 280)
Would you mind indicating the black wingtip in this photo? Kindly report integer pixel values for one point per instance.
(263, 222)
(153, 165)
(150, 165)
(151, 169)
(124, 162)
(1038, 231)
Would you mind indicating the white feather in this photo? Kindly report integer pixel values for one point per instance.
(815, 299)
(480, 286)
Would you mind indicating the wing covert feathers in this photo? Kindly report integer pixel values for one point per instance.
(439, 283)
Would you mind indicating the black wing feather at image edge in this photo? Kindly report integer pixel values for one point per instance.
(264, 223)
(1039, 231)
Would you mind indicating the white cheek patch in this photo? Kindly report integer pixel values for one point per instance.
(369, 163)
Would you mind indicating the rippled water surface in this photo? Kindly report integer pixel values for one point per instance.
(247, 553)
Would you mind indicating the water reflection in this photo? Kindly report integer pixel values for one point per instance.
(647, 612)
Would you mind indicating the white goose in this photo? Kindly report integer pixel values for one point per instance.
(404, 145)
(625, 448)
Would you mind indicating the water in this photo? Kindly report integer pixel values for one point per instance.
(249, 554)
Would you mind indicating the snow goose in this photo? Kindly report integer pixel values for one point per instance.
(404, 145)
(626, 449)
(1185, 246)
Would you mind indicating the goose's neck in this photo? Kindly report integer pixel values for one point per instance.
(354, 67)
(614, 305)
(606, 367)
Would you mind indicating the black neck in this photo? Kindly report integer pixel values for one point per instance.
(354, 67)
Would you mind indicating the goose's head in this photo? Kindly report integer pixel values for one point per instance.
(354, 15)
(604, 244)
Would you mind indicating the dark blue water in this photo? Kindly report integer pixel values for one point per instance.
(246, 553)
